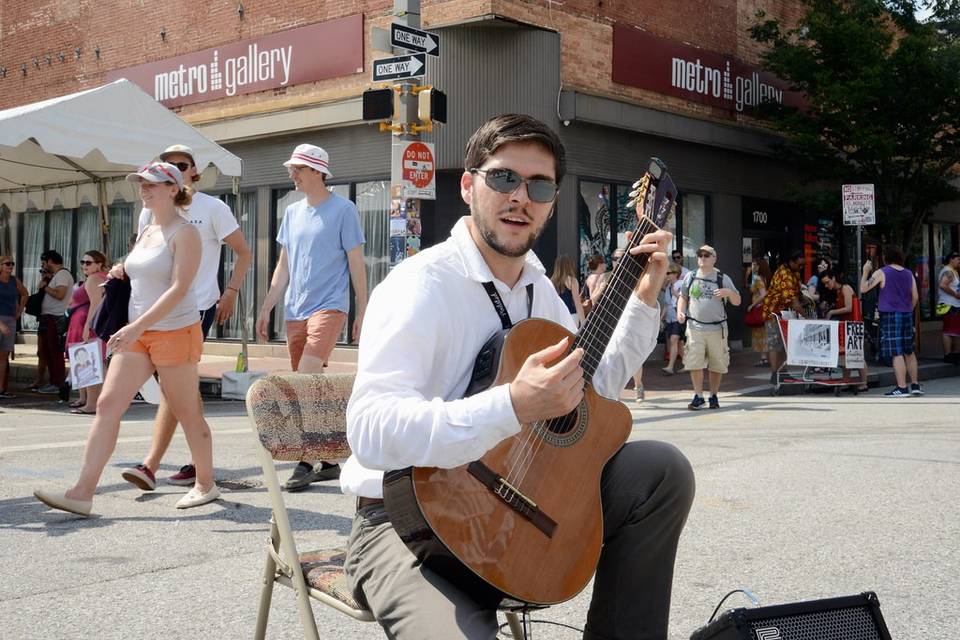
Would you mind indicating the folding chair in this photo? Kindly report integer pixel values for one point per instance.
(303, 417)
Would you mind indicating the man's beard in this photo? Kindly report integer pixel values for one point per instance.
(490, 237)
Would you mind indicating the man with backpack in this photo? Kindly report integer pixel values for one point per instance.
(57, 284)
(703, 294)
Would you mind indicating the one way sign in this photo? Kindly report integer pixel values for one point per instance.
(414, 40)
(411, 66)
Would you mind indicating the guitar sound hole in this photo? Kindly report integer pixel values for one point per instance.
(564, 424)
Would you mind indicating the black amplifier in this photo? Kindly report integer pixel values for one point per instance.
(846, 618)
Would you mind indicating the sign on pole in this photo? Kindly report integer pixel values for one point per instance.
(859, 204)
(414, 39)
(399, 67)
(414, 163)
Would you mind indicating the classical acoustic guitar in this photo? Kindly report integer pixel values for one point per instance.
(523, 523)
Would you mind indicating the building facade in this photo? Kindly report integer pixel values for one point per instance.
(620, 81)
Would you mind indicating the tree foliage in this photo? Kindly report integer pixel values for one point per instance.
(883, 103)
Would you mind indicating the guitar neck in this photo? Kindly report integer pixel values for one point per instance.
(595, 334)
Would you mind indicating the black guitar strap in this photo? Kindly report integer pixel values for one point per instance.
(501, 308)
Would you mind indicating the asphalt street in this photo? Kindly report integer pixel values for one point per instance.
(798, 497)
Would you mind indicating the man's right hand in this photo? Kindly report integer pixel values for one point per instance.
(540, 392)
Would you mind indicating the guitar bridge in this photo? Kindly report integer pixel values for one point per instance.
(512, 497)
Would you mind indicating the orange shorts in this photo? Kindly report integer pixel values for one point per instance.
(170, 348)
(316, 336)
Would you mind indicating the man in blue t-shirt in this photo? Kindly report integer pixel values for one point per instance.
(321, 239)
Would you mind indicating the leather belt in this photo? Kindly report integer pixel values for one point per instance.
(368, 502)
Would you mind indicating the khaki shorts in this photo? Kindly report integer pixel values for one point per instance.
(170, 348)
(706, 350)
(316, 336)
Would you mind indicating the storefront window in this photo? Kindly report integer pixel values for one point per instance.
(122, 226)
(283, 198)
(373, 202)
(921, 268)
(594, 221)
(244, 207)
(33, 223)
(693, 224)
(61, 236)
(88, 235)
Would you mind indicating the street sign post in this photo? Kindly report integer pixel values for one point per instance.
(414, 40)
(859, 208)
(412, 66)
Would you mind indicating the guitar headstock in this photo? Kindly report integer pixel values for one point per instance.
(656, 193)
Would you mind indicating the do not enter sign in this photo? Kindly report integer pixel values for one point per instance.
(417, 170)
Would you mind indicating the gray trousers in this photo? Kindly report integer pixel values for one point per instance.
(646, 491)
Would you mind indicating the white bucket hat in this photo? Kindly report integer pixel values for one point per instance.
(309, 155)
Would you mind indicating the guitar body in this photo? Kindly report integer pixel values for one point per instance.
(536, 540)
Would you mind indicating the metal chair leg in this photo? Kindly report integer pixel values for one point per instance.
(516, 628)
(266, 591)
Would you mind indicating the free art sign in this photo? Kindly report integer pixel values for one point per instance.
(417, 169)
(859, 204)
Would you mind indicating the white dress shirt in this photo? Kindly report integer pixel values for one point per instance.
(424, 326)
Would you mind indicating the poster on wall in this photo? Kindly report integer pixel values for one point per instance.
(813, 343)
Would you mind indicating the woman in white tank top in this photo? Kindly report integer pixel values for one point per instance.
(163, 335)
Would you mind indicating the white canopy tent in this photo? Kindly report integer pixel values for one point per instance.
(78, 148)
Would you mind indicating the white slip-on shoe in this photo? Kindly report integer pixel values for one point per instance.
(195, 498)
(63, 503)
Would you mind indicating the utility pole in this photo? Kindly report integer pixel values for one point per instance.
(405, 108)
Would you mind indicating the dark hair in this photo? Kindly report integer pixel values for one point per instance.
(950, 256)
(763, 270)
(594, 261)
(893, 254)
(796, 256)
(97, 257)
(514, 128)
(52, 255)
(183, 198)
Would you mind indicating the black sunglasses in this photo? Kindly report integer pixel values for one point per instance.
(87, 263)
(508, 181)
(678, 256)
(9, 264)
(183, 166)
(704, 255)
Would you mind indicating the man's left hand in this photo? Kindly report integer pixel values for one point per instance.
(657, 245)
(226, 305)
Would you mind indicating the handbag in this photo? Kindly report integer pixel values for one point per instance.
(942, 309)
(35, 303)
(754, 317)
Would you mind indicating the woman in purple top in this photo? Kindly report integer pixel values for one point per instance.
(898, 297)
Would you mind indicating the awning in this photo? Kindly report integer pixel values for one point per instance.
(71, 150)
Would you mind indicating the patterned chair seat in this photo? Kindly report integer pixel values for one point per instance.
(323, 571)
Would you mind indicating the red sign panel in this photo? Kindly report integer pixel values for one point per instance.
(418, 165)
(648, 62)
(306, 54)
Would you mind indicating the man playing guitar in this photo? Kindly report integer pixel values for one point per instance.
(426, 323)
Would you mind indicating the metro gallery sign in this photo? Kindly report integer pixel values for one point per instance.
(648, 62)
(305, 54)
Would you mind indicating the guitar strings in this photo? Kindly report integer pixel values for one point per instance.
(632, 265)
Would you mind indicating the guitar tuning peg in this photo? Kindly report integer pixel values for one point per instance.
(637, 183)
(634, 193)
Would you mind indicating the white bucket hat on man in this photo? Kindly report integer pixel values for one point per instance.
(157, 172)
(309, 155)
(181, 149)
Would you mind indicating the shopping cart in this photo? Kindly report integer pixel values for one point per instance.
(820, 375)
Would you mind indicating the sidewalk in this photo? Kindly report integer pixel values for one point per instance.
(743, 378)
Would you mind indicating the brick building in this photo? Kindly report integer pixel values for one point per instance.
(619, 80)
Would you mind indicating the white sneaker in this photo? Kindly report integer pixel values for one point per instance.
(641, 396)
(195, 498)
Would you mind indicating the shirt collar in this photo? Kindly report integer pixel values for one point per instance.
(475, 267)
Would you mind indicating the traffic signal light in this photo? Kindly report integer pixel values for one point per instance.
(432, 106)
(378, 104)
